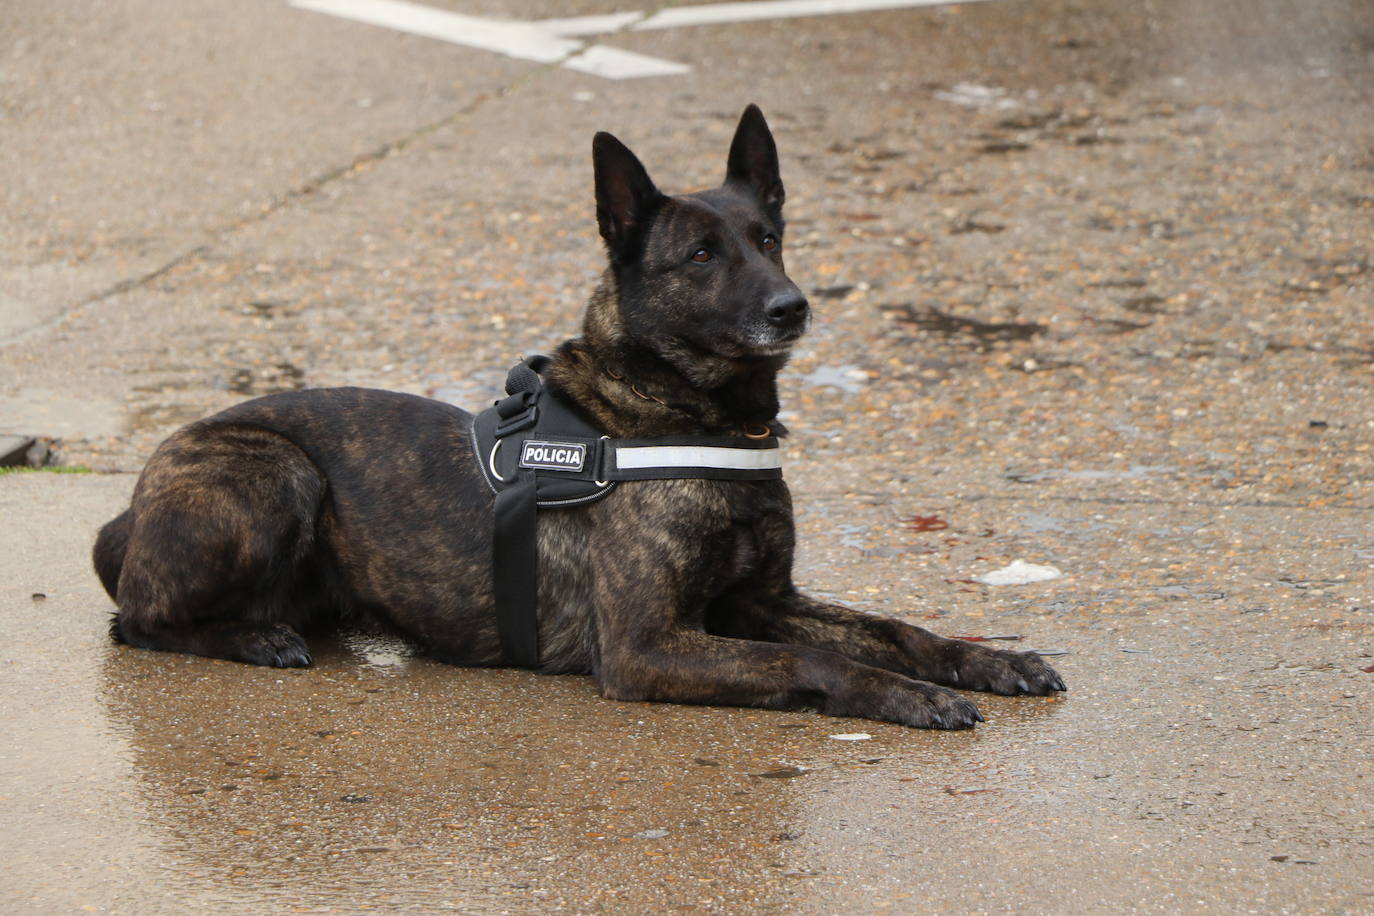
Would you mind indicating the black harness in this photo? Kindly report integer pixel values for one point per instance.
(537, 453)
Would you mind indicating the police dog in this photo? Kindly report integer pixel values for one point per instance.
(342, 505)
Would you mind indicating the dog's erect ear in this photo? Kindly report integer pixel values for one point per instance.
(625, 195)
(754, 161)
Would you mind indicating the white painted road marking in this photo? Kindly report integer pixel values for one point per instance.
(615, 64)
(549, 41)
(521, 40)
(723, 13)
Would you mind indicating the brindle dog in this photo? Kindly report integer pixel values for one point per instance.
(349, 504)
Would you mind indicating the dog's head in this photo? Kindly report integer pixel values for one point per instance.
(700, 277)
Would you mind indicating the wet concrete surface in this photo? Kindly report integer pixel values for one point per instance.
(1211, 755)
(1093, 290)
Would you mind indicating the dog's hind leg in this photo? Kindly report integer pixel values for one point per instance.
(108, 553)
(222, 524)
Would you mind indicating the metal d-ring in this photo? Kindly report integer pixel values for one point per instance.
(756, 431)
(602, 484)
(491, 462)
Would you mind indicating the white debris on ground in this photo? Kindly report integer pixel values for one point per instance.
(971, 95)
(1019, 572)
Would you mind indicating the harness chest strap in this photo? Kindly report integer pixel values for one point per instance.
(536, 453)
(605, 460)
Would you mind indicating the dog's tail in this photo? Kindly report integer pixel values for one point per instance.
(110, 546)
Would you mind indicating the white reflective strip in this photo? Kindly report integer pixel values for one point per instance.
(697, 456)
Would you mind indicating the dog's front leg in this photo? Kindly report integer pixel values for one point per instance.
(887, 643)
(659, 566)
(690, 666)
(651, 648)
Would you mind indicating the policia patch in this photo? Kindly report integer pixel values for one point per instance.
(536, 453)
(553, 456)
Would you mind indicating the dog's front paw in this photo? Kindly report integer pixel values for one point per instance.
(907, 702)
(1007, 673)
(274, 645)
(937, 707)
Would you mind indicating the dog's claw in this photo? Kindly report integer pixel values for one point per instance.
(299, 660)
(960, 713)
(276, 645)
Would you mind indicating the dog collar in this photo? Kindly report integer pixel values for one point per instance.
(536, 452)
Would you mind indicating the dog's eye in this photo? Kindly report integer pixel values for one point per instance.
(701, 256)
(770, 242)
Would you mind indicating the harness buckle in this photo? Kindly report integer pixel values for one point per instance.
(517, 412)
(518, 422)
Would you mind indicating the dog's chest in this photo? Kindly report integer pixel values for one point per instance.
(712, 532)
(654, 550)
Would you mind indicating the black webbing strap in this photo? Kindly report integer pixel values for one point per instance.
(515, 574)
(515, 549)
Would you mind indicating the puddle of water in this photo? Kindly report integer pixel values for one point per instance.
(379, 650)
(851, 535)
(969, 332)
(849, 379)
(1040, 523)
(1134, 472)
(833, 292)
(164, 416)
(266, 379)
(1145, 305)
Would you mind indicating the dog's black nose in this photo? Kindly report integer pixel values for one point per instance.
(786, 310)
